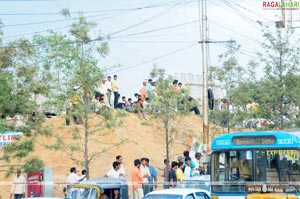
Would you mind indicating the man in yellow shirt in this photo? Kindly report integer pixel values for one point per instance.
(245, 169)
(179, 172)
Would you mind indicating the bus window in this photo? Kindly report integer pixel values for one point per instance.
(249, 155)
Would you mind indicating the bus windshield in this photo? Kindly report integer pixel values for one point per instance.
(233, 169)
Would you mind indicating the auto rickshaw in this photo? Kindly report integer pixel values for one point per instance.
(96, 188)
(270, 191)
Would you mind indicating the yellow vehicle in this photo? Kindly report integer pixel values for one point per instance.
(270, 192)
(97, 188)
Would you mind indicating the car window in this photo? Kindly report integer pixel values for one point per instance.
(190, 196)
(201, 195)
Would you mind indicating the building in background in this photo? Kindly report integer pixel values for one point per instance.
(194, 82)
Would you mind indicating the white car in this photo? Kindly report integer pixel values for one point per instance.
(178, 193)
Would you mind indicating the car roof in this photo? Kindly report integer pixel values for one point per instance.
(105, 183)
(176, 191)
(198, 178)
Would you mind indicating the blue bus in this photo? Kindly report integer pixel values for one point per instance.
(246, 158)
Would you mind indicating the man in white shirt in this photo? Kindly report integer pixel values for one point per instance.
(18, 187)
(198, 164)
(115, 89)
(121, 170)
(73, 178)
(145, 173)
(103, 91)
(108, 87)
(187, 168)
(113, 173)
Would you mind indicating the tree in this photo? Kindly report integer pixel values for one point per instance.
(230, 73)
(168, 105)
(86, 73)
(281, 62)
(23, 79)
(49, 66)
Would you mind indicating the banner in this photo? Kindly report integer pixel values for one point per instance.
(35, 184)
(7, 137)
(194, 146)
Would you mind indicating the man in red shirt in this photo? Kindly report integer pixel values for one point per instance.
(137, 180)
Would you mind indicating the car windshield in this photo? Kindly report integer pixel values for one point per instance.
(163, 196)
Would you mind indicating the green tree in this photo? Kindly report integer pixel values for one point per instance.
(281, 64)
(169, 105)
(23, 78)
(48, 67)
(230, 74)
(85, 72)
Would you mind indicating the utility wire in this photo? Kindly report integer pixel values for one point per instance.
(157, 29)
(124, 29)
(55, 21)
(64, 27)
(224, 27)
(115, 15)
(239, 51)
(153, 42)
(135, 34)
(161, 4)
(149, 19)
(156, 58)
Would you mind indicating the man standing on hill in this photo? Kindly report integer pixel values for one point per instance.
(115, 89)
(108, 87)
(137, 180)
(18, 187)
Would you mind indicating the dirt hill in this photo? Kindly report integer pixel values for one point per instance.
(142, 138)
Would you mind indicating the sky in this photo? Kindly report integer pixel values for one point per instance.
(148, 32)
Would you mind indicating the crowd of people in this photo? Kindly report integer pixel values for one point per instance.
(107, 96)
(144, 175)
(256, 113)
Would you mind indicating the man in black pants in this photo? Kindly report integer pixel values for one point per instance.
(115, 89)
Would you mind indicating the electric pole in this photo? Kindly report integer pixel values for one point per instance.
(205, 87)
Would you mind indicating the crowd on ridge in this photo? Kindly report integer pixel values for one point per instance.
(106, 96)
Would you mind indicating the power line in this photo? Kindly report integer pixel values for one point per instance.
(115, 15)
(224, 27)
(161, 4)
(134, 34)
(243, 52)
(156, 58)
(152, 42)
(54, 21)
(157, 29)
(176, 6)
(64, 27)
